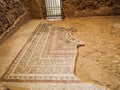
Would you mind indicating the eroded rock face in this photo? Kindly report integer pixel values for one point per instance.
(76, 8)
(36, 8)
(10, 10)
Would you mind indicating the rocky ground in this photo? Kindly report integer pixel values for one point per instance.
(99, 60)
(10, 10)
(90, 7)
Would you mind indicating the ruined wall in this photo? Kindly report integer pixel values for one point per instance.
(10, 10)
(36, 8)
(76, 8)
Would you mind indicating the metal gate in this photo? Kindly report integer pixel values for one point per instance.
(53, 8)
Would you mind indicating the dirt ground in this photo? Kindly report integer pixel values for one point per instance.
(98, 61)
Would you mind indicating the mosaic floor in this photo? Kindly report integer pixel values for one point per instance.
(46, 61)
(48, 55)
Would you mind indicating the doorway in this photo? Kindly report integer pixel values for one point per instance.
(53, 9)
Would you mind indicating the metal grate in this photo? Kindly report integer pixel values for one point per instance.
(53, 8)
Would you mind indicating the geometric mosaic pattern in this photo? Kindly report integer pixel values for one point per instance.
(48, 56)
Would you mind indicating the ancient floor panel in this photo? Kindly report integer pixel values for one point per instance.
(48, 55)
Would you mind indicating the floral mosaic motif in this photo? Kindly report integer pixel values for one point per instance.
(47, 55)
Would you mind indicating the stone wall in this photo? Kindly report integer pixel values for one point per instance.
(36, 8)
(76, 8)
(10, 10)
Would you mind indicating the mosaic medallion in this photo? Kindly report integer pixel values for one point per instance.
(48, 56)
